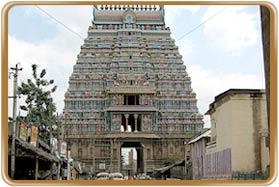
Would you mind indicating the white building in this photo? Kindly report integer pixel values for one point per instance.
(239, 131)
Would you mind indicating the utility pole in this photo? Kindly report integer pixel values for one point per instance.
(15, 69)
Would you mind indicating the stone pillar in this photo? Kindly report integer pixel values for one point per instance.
(111, 155)
(36, 167)
(138, 160)
(140, 99)
(114, 100)
(145, 99)
(127, 118)
(136, 122)
(118, 146)
(93, 155)
(117, 100)
(144, 159)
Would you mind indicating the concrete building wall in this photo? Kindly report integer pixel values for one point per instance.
(223, 119)
(249, 128)
(243, 155)
(239, 128)
(264, 136)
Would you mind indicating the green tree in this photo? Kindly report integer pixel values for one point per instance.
(38, 102)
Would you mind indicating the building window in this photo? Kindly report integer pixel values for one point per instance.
(131, 99)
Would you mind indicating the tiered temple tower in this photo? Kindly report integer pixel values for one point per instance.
(129, 88)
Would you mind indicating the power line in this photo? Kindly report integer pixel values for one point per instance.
(199, 25)
(59, 22)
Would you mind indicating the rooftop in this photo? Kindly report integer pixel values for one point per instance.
(234, 92)
(206, 133)
(129, 7)
(128, 14)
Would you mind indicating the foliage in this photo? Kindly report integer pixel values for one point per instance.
(38, 101)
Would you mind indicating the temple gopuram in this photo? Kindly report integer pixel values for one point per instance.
(129, 89)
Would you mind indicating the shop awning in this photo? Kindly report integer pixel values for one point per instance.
(164, 169)
(37, 151)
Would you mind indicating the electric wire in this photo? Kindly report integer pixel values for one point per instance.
(199, 25)
(59, 22)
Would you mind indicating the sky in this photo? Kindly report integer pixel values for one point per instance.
(221, 46)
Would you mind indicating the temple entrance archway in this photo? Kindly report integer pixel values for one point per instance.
(132, 158)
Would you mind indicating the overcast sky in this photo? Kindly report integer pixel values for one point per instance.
(223, 53)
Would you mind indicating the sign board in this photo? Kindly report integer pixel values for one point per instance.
(54, 143)
(63, 149)
(28, 134)
(23, 132)
(34, 135)
(102, 166)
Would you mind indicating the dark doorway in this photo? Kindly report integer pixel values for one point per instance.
(131, 100)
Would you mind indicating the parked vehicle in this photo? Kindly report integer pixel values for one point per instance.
(116, 176)
(143, 177)
(103, 176)
(172, 179)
